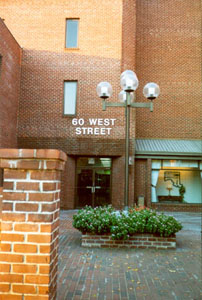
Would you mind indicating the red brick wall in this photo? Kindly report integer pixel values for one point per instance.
(10, 53)
(140, 179)
(168, 52)
(129, 35)
(68, 189)
(129, 48)
(105, 47)
(143, 180)
(46, 63)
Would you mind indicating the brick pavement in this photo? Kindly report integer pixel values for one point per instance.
(122, 274)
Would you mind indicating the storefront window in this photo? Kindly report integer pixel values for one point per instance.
(180, 163)
(176, 181)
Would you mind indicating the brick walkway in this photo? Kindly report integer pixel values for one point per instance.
(122, 274)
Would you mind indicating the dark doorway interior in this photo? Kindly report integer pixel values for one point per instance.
(93, 182)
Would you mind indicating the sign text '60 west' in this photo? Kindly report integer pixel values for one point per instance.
(93, 126)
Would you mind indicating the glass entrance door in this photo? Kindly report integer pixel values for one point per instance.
(93, 187)
(102, 187)
(84, 187)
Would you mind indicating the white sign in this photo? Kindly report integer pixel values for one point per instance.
(102, 126)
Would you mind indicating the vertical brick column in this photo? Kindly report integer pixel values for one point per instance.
(30, 223)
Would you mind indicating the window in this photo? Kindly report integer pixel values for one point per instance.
(170, 177)
(94, 162)
(70, 94)
(72, 33)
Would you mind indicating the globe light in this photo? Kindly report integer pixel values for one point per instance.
(151, 90)
(128, 73)
(122, 96)
(104, 90)
(129, 81)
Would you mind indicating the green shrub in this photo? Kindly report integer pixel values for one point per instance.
(94, 220)
(121, 225)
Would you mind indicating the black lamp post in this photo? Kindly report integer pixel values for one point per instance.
(129, 83)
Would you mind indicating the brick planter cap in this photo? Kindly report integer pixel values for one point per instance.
(33, 153)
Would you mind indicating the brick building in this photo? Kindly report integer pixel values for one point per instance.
(10, 68)
(68, 47)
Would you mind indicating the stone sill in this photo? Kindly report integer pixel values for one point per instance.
(32, 159)
(141, 241)
(33, 154)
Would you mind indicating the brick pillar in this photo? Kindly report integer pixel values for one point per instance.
(30, 223)
(1, 196)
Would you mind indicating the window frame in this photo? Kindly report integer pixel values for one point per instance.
(65, 114)
(71, 19)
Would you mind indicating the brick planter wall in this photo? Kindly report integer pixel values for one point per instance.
(137, 241)
(30, 223)
(194, 207)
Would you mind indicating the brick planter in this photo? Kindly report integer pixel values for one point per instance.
(137, 241)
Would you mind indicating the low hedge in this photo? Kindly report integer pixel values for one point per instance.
(122, 224)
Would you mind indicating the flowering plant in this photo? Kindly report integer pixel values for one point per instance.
(122, 224)
(138, 208)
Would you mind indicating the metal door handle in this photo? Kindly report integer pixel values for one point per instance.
(92, 189)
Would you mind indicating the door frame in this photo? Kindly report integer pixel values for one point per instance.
(93, 168)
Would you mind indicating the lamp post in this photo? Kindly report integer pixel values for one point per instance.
(129, 83)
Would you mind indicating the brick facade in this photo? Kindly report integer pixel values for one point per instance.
(10, 67)
(51, 64)
(168, 52)
(160, 42)
(30, 223)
